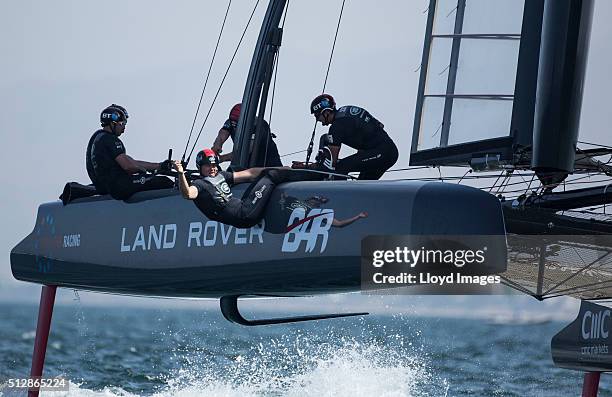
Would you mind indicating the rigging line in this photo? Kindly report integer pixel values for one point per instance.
(570, 182)
(598, 163)
(466, 172)
(580, 289)
(223, 79)
(331, 56)
(195, 117)
(543, 298)
(508, 179)
(522, 190)
(592, 156)
(289, 154)
(495, 183)
(438, 130)
(503, 185)
(578, 272)
(408, 169)
(524, 181)
(326, 173)
(486, 176)
(574, 181)
(507, 281)
(444, 70)
(450, 178)
(531, 181)
(269, 131)
(595, 144)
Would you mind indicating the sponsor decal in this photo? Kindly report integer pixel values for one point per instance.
(145, 239)
(355, 110)
(595, 328)
(45, 243)
(595, 325)
(372, 158)
(72, 240)
(199, 234)
(209, 233)
(307, 228)
(258, 194)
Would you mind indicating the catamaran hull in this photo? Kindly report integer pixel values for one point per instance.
(159, 244)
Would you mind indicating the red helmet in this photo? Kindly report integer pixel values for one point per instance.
(235, 112)
(207, 156)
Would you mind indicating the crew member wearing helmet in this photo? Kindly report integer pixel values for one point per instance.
(269, 157)
(110, 169)
(212, 194)
(354, 127)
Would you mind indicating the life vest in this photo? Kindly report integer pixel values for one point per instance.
(222, 192)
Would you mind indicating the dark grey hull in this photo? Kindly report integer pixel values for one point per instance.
(159, 244)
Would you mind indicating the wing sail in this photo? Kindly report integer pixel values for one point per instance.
(478, 81)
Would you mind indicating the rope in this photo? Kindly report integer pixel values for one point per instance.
(331, 55)
(289, 154)
(223, 80)
(595, 144)
(195, 117)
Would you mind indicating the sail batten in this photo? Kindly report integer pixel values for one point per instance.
(471, 75)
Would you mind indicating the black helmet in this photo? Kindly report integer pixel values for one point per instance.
(321, 103)
(207, 156)
(113, 113)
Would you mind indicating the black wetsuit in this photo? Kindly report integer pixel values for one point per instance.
(216, 201)
(106, 174)
(268, 157)
(376, 152)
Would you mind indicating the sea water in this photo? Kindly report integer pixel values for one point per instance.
(185, 352)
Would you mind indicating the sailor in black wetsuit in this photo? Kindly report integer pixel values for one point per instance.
(212, 194)
(268, 158)
(110, 169)
(354, 127)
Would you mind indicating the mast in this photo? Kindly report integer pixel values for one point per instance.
(256, 89)
(566, 33)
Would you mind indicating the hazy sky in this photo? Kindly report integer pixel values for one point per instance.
(63, 61)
